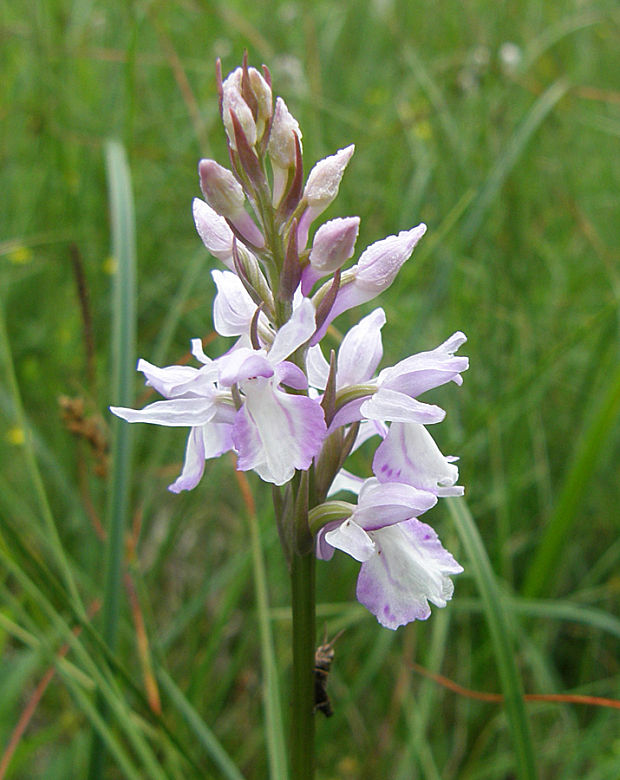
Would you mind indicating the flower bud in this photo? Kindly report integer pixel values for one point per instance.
(264, 108)
(322, 188)
(334, 243)
(381, 261)
(221, 190)
(254, 115)
(324, 179)
(281, 147)
(232, 99)
(332, 246)
(225, 195)
(373, 274)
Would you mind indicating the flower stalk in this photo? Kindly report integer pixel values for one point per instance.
(302, 681)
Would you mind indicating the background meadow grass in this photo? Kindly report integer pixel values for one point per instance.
(511, 156)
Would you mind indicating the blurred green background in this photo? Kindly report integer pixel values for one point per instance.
(497, 124)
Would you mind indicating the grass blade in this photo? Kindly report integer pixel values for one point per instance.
(122, 368)
(34, 473)
(557, 533)
(276, 745)
(508, 159)
(203, 733)
(495, 609)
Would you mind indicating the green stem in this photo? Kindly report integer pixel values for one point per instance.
(302, 699)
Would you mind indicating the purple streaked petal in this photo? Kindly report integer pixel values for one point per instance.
(276, 433)
(388, 404)
(426, 370)
(323, 550)
(382, 504)
(409, 454)
(241, 363)
(347, 414)
(179, 412)
(361, 350)
(352, 539)
(410, 569)
(289, 374)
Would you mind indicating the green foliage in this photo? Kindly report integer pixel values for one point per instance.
(514, 165)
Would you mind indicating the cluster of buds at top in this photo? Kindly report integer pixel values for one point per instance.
(259, 208)
(286, 411)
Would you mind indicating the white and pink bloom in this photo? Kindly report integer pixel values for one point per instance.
(273, 399)
(404, 565)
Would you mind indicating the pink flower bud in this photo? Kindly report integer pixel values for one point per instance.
(281, 147)
(264, 107)
(214, 232)
(252, 118)
(324, 179)
(225, 196)
(381, 261)
(332, 246)
(374, 272)
(322, 188)
(232, 99)
(334, 243)
(221, 190)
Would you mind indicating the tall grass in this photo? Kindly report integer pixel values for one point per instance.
(511, 157)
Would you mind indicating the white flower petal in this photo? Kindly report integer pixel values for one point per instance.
(382, 504)
(276, 432)
(317, 368)
(177, 413)
(391, 405)
(194, 464)
(409, 454)
(233, 308)
(169, 381)
(352, 539)
(409, 569)
(293, 333)
(361, 350)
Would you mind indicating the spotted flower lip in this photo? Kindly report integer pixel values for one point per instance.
(409, 454)
(404, 565)
(409, 569)
(273, 432)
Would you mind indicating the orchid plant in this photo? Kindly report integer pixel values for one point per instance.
(289, 412)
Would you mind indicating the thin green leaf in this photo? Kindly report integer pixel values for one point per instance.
(122, 368)
(495, 609)
(507, 160)
(205, 736)
(585, 460)
(276, 745)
